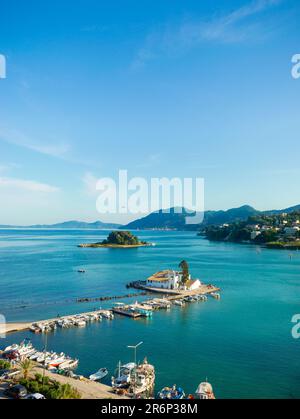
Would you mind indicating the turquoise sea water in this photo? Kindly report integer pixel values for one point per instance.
(242, 343)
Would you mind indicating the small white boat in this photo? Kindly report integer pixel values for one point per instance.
(69, 364)
(80, 323)
(43, 356)
(216, 295)
(56, 362)
(99, 374)
(35, 355)
(178, 303)
(107, 314)
(13, 347)
(26, 350)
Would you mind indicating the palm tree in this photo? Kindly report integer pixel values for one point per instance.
(183, 265)
(26, 367)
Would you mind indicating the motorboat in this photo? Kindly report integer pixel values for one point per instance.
(171, 393)
(107, 314)
(178, 303)
(80, 323)
(10, 348)
(36, 355)
(97, 376)
(69, 364)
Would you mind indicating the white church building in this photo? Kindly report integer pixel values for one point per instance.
(171, 280)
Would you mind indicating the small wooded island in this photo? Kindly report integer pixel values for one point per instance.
(119, 239)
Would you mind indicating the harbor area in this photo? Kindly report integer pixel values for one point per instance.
(171, 287)
(28, 373)
(165, 299)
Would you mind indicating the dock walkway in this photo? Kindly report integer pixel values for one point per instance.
(169, 295)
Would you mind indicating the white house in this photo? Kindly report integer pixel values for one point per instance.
(192, 284)
(171, 280)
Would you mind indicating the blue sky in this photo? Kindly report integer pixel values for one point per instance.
(170, 88)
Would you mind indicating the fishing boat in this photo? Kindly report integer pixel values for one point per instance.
(124, 376)
(171, 393)
(216, 295)
(81, 271)
(99, 374)
(142, 380)
(205, 391)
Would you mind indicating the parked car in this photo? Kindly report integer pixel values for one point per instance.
(16, 392)
(35, 396)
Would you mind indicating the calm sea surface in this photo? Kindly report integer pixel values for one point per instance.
(242, 344)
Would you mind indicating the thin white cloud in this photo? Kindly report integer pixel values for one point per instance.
(17, 138)
(235, 27)
(26, 185)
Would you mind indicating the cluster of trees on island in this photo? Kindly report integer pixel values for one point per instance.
(267, 230)
(122, 238)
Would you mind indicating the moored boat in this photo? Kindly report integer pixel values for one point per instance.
(124, 376)
(99, 374)
(69, 364)
(171, 393)
(178, 303)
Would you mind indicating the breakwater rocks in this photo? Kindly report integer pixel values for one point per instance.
(117, 297)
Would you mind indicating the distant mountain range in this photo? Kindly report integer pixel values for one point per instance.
(172, 219)
(71, 225)
(175, 220)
